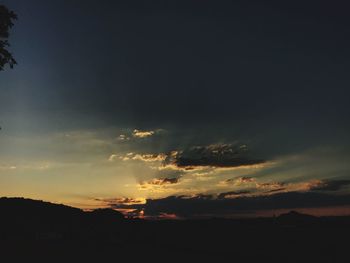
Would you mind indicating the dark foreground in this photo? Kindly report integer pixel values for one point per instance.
(32, 230)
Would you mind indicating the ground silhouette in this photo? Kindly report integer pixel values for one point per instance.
(58, 233)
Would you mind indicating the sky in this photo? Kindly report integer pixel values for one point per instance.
(179, 108)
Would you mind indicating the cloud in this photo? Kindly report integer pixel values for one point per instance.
(239, 181)
(246, 179)
(8, 167)
(215, 155)
(123, 137)
(112, 157)
(122, 201)
(274, 187)
(282, 189)
(209, 159)
(330, 185)
(163, 181)
(148, 157)
(232, 194)
(142, 134)
(170, 180)
(266, 196)
(128, 206)
(199, 206)
(138, 134)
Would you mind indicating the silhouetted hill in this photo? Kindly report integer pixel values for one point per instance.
(294, 214)
(106, 213)
(32, 229)
(28, 208)
(296, 218)
(27, 218)
(24, 208)
(104, 216)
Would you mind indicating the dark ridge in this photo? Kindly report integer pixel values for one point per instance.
(27, 217)
(28, 207)
(294, 218)
(295, 215)
(106, 214)
(32, 229)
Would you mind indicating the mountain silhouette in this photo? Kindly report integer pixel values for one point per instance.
(29, 208)
(22, 207)
(105, 215)
(293, 218)
(29, 218)
(61, 233)
(295, 215)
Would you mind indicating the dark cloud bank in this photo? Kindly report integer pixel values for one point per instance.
(199, 206)
(217, 155)
(224, 205)
(331, 185)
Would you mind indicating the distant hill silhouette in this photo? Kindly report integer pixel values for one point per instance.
(105, 215)
(22, 207)
(32, 218)
(29, 208)
(295, 218)
(32, 229)
(295, 215)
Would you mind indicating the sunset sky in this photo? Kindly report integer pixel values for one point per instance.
(187, 108)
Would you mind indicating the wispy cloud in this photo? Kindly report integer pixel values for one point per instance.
(159, 182)
(142, 134)
(218, 156)
(268, 187)
(330, 185)
(139, 134)
(138, 157)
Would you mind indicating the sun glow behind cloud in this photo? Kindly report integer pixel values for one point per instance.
(95, 169)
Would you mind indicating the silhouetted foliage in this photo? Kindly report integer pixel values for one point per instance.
(6, 22)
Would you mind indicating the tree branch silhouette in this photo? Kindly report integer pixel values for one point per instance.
(6, 22)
